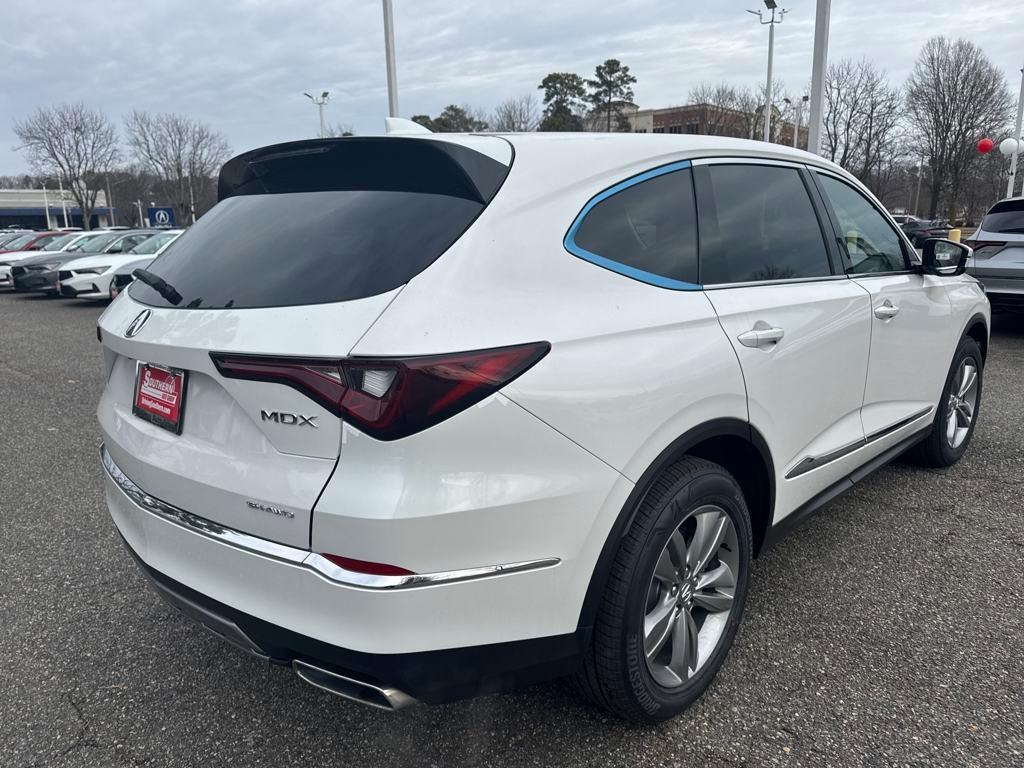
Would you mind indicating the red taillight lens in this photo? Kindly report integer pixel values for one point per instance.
(365, 566)
(389, 398)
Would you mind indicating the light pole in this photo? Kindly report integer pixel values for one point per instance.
(320, 100)
(389, 58)
(818, 66)
(771, 6)
(46, 202)
(63, 202)
(1016, 135)
(110, 204)
(917, 195)
(799, 117)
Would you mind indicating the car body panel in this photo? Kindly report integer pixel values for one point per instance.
(816, 370)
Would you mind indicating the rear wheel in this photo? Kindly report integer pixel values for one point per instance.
(957, 412)
(674, 597)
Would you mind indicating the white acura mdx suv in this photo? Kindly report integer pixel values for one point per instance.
(426, 417)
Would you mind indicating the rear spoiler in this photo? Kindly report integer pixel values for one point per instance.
(364, 163)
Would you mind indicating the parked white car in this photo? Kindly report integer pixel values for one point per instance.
(62, 244)
(426, 417)
(144, 254)
(89, 277)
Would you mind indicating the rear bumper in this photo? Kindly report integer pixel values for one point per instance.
(287, 610)
(434, 677)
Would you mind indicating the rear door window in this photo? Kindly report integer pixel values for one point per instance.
(1005, 217)
(643, 229)
(760, 225)
(317, 222)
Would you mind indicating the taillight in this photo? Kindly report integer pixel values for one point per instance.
(391, 397)
(977, 245)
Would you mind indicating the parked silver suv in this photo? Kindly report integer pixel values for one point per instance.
(998, 261)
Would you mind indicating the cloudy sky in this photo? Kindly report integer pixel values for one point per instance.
(242, 65)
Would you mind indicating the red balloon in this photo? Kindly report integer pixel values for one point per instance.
(985, 146)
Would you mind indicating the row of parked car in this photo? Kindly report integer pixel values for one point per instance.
(94, 265)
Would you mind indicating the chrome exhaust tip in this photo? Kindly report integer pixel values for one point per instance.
(380, 697)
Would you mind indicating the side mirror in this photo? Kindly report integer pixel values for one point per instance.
(944, 257)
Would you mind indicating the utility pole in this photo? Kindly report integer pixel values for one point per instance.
(818, 66)
(63, 202)
(142, 220)
(46, 203)
(771, 5)
(917, 195)
(389, 58)
(320, 100)
(192, 196)
(110, 205)
(1016, 135)
(799, 117)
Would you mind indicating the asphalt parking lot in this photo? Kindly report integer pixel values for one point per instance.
(888, 630)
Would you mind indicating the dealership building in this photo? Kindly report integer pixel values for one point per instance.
(44, 209)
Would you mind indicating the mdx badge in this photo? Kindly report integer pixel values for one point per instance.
(136, 325)
(290, 419)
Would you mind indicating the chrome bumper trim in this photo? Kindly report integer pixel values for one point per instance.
(301, 557)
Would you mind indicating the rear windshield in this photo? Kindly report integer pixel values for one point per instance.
(324, 221)
(1006, 217)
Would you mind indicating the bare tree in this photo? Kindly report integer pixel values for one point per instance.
(717, 104)
(74, 143)
(339, 129)
(954, 96)
(182, 152)
(519, 114)
(862, 122)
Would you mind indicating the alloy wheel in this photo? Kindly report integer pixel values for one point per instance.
(962, 403)
(691, 596)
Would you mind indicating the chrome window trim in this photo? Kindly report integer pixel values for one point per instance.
(302, 558)
(750, 160)
(790, 281)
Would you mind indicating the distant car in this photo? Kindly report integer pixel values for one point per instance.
(919, 231)
(30, 241)
(91, 277)
(55, 245)
(904, 218)
(6, 236)
(41, 273)
(123, 276)
(998, 259)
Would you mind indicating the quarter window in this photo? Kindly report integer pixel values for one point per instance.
(646, 230)
(871, 243)
(766, 227)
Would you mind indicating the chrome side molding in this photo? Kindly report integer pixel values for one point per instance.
(303, 557)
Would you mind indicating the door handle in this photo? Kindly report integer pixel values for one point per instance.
(886, 311)
(761, 335)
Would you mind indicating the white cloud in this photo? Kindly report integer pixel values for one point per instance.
(242, 65)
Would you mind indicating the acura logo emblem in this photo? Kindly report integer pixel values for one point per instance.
(136, 325)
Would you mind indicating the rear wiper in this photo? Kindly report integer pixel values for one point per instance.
(159, 285)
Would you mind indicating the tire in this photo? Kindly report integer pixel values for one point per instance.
(939, 449)
(689, 496)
